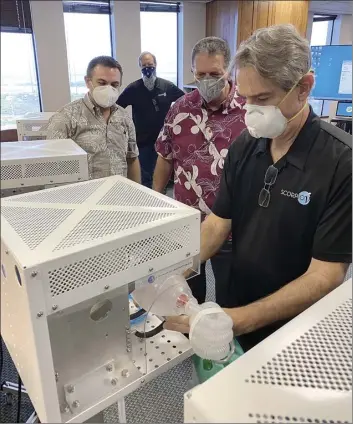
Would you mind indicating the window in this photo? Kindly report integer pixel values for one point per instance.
(321, 35)
(322, 30)
(19, 82)
(159, 35)
(88, 34)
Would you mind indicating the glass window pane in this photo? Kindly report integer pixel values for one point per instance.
(159, 35)
(319, 33)
(316, 105)
(19, 84)
(87, 36)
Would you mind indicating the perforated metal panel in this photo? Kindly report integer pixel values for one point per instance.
(40, 162)
(320, 359)
(52, 168)
(123, 195)
(265, 418)
(95, 268)
(11, 172)
(34, 225)
(82, 242)
(70, 194)
(102, 249)
(300, 374)
(98, 224)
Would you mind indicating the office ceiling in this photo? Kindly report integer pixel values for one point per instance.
(335, 7)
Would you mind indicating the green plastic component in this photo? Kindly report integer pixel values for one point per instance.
(206, 368)
(207, 365)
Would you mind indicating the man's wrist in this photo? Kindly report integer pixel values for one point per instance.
(243, 320)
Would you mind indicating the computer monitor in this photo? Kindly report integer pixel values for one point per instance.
(333, 72)
(344, 109)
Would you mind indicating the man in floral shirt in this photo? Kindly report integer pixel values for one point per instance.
(194, 142)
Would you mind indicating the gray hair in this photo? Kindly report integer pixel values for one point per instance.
(146, 53)
(212, 46)
(278, 53)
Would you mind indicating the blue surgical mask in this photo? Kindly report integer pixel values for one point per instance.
(148, 71)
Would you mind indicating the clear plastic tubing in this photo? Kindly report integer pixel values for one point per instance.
(211, 329)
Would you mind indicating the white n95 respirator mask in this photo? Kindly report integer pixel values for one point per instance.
(264, 121)
(267, 121)
(105, 95)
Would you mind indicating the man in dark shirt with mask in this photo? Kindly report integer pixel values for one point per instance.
(286, 193)
(150, 98)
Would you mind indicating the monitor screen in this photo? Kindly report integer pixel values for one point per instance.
(333, 72)
(344, 109)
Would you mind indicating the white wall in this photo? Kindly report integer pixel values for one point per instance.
(49, 36)
(309, 27)
(346, 33)
(191, 29)
(126, 35)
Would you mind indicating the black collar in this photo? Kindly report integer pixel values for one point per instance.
(157, 84)
(300, 149)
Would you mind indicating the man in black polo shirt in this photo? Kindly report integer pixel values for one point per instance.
(286, 193)
(150, 98)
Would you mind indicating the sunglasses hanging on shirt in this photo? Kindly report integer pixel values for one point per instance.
(155, 104)
(269, 181)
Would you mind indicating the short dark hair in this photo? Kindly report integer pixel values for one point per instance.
(107, 61)
(212, 46)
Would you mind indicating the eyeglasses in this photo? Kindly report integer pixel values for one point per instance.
(270, 179)
(155, 104)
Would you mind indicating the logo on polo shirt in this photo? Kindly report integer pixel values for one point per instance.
(303, 197)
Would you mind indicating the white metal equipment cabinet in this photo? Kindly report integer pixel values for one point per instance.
(300, 374)
(32, 126)
(33, 165)
(68, 255)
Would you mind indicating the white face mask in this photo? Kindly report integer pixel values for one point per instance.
(105, 95)
(264, 121)
(267, 121)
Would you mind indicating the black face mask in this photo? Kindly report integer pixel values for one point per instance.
(148, 71)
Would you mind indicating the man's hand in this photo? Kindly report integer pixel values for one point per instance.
(188, 273)
(178, 323)
(134, 170)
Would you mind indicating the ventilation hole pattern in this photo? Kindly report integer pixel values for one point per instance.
(31, 127)
(11, 172)
(264, 418)
(320, 359)
(70, 194)
(34, 225)
(66, 167)
(95, 268)
(123, 194)
(98, 224)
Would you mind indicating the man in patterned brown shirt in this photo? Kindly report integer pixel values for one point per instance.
(100, 127)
